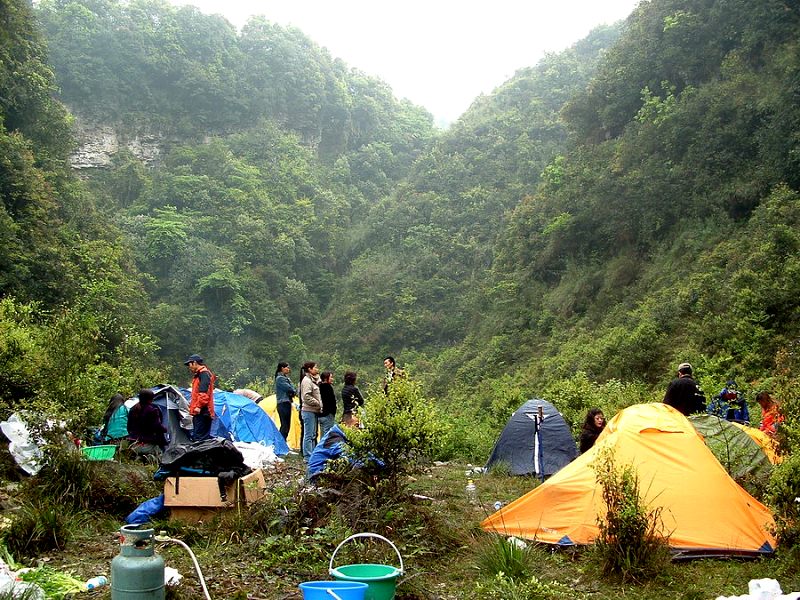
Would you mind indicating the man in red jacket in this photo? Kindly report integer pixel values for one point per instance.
(201, 406)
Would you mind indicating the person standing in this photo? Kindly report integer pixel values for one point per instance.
(351, 400)
(146, 431)
(392, 373)
(592, 427)
(310, 406)
(771, 415)
(684, 394)
(201, 406)
(284, 393)
(327, 418)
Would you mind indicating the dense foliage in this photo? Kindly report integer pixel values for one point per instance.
(627, 204)
(72, 305)
(272, 151)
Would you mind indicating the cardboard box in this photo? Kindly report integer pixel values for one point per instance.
(203, 492)
(192, 514)
(251, 488)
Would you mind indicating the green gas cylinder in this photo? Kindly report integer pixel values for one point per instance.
(137, 572)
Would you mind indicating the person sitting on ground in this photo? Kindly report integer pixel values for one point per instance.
(683, 393)
(593, 425)
(730, 404)
(351, 400)
(115, 420)
(145, 429)
(771, 415)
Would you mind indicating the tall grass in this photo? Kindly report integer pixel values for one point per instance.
(510, 557)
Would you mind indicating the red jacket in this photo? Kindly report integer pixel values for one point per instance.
(202, 391)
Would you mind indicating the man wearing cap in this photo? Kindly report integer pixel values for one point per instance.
(201, 406)
(684, 394)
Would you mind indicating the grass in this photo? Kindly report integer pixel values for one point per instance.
(258, 554)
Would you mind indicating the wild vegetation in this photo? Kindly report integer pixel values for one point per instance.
(620, 207)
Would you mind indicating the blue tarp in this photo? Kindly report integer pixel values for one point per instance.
(242, 420)
(146, 511)
(331, 446)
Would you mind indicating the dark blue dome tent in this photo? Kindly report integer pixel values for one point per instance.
(174, 412)
(535, 441)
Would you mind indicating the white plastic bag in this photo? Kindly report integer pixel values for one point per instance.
(22, 446)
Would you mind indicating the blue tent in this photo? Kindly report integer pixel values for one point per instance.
(536, 441)
(242, 420)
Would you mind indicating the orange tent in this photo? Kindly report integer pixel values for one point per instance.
(269, 404)
(766, 443)
(704, 511)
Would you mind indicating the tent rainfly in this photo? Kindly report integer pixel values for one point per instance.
(535, 441)
(735, 450)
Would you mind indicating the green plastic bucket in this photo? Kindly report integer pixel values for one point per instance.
(380, 579)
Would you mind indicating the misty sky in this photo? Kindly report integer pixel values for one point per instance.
(440, 54)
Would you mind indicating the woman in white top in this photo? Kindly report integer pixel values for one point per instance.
(310, 406)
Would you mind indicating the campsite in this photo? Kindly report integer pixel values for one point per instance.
(533, 299)
(288, 528)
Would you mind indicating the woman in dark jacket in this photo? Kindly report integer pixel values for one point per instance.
(327, 418)
(351, 400)
(284, 394)
(594, 424)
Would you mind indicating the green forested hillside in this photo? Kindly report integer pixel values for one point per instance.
(668, 230)
(272, 151)
(427, 248)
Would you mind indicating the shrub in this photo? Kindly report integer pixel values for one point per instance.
(631, 543)
(67, 479)
(465, 436)
(782, 493)
(64, 478)
(402, 430)
(573, 397)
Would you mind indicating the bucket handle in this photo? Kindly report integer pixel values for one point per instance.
(359, 535)
(334, 594)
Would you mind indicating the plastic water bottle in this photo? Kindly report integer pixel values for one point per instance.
(472, 491)
(96, 582)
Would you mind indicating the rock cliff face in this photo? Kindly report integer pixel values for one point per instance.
(98, 143)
